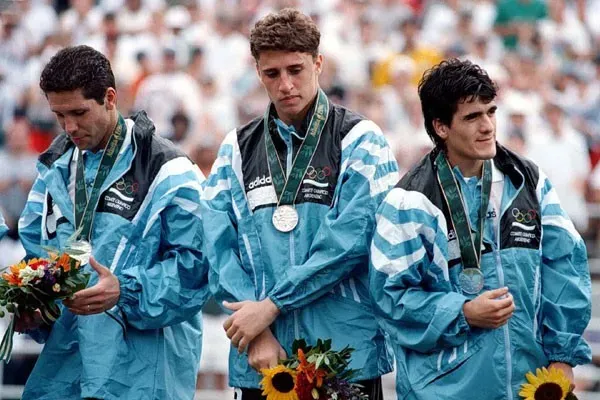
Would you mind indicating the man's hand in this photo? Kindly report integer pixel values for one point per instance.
(28, 321)
(249, 319)
(568, 371)
(98, 298)
(265, 351)
(489, 310)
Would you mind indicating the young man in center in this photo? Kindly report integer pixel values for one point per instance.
(478, 274)
(289, 207)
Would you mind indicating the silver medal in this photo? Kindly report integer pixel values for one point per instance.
(285, 218)
(471, 280)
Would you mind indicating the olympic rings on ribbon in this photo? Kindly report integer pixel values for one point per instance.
(128, 188)
(318, 173)
(523, 216)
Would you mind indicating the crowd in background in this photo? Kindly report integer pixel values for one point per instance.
(187, 63)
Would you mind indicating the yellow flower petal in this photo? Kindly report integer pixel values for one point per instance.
(270, 386)
(540, 381)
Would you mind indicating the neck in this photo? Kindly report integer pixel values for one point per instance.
(297, 119)
(114, 120)
(468, 167)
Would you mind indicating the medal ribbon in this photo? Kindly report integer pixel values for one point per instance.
(470, 248)
(84, 206)
(287, 188)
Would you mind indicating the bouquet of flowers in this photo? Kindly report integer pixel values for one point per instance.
(547, 384)
(37, 284)
(312, 373)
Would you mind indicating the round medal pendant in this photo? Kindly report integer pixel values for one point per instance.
(285, 218)
(471, 280)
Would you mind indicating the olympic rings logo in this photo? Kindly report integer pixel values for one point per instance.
(318, 173)
(127, 188)
(523, 216)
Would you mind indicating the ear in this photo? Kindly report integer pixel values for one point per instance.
(440, 128)
(319, 64)
(110, 98)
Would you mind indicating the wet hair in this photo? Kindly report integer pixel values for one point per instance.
(286, 30)
(78, 67)
(446, 85)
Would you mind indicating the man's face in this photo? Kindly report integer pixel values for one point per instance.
(291, 81)
(88, 124)
(472, 133)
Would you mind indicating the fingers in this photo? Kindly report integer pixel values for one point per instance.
(243, 344)
(227, 324)
(236, 338)
(506, 302)
(494, 294)
(99, 268)
(281, 356)
(89, 292)
(233, 306)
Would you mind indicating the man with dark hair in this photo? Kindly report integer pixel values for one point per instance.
(288, 208)
(135, 332)
(477, 273)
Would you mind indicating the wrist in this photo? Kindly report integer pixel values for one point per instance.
(466, 309)
(270, 307)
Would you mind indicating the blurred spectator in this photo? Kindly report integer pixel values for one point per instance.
(412, 46)
(516, 19)
(17, 173)
(516, 132)
(180, 127)
(165, 93)
(81, 20)
(134, 18)
(218, 106)
(39, 19)
(561, 152)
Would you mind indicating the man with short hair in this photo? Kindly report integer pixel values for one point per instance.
(478, 275)
(135, 332)
(288, 209)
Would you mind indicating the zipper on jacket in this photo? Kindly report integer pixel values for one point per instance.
(289, 143)
(500, 273)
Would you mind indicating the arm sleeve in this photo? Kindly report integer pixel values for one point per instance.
(30, 222)
(30, 234)
(565, 303)
(174, 286)
(341, 243)
(230, 279)
(409, 275)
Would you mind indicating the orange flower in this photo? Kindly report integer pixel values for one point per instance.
(64, 262)
(12, 279)
(310, 371)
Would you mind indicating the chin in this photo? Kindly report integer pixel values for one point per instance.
(488, 152)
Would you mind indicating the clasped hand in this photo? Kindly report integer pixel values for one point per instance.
(249, 319)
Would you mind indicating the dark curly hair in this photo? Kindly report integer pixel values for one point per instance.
(78, 67)
(445, 85)
(286, 30)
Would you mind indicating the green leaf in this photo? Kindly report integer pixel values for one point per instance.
(298, 344)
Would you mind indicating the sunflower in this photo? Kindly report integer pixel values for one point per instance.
(278, 383)
(546, 384)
